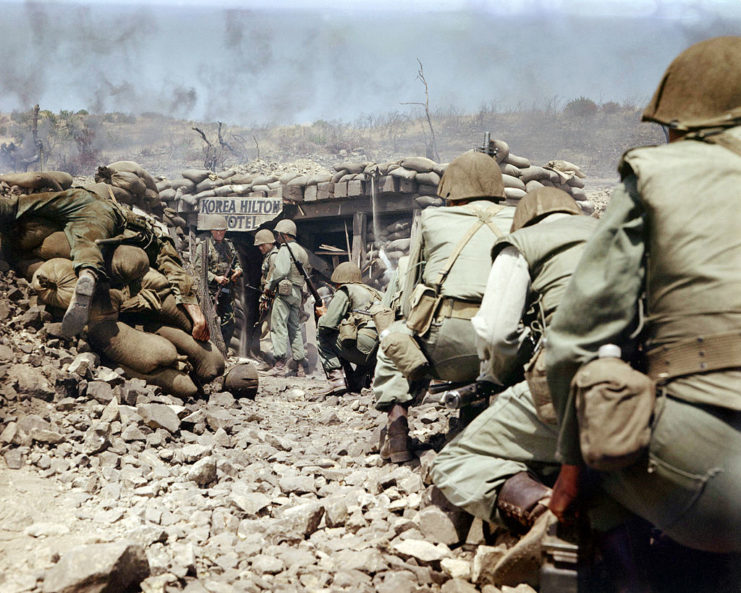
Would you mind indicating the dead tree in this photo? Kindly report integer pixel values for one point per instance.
(210, 156)
(432, 147)
(215, 155)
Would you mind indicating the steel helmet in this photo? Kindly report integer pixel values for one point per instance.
(286, 226)
(472, 175)
(701, 88)
(264, 237)
(216, 222)
(346, 273)
(242, 380)
(538, 203)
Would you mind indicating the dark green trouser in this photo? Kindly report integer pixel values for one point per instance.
(85, 218)
(331, 350)
(505, 439)
(449, 347)
(690, 484)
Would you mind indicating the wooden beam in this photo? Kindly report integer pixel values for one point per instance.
(359, 240)
(348, 207)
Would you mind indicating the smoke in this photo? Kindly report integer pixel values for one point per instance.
(294, 66)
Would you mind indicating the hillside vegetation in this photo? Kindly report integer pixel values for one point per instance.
(589, 134)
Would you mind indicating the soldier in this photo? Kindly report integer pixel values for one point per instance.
(285, 319)
(496, 468)
(223, 270)
(86, 219)
(346, 333)
(669, 244)
(442, 292)
(265, 242)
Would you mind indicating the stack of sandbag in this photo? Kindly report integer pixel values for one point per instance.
(139, 327)
(128, 183)
(32, 242)
(384, 252)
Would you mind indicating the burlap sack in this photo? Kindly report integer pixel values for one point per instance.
(428, 178)
(122, 344)
(54, 246)
(128, 264)
(196, 175)
(54, 282)
(27, 267)
(172, 381)
(418, 163)
(36, 180)
(518, 161)
(29, 234)
(138, 170)
(207, 362)
(403, 173)
(130, 182)
(170, 313)
(406, 355)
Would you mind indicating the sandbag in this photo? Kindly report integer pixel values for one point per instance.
(351, 167)
(428, 178)
(138, 170)
(508, 169)
(167, 194)
(403, 173)
(123, 179)
(205, 185)
(514, 193)
(54, 282)
(27, 267)
(54, 246)
(242, 380)
(186, 185)
(172, 381)
(206, 360)
(195, 175)
(28, 234)
(534, 172)
(511, 181)
(122, 344)
(128, 264)
(518, 161)
(39, 180)
(418, 163)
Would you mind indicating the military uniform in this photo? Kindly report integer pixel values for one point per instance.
(285, 317)
(670, 231)
(266, 269)
(221, 254)
(348, 298)
(511, 436)
(449, 345)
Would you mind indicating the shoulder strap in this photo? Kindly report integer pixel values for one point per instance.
(484, 217)
(719, 137)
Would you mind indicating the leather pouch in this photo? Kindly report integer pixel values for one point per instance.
(423, 306)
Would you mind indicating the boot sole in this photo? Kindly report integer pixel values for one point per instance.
(78, 312)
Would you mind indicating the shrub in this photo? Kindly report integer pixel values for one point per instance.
(581, 107)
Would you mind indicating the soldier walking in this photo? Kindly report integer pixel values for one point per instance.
(285, 319)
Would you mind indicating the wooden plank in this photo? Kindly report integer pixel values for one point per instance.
(359, 238)
(340, 189)
(310, 193)
(348, 207)
(355, 188)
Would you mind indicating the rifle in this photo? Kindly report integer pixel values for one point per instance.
(455, 396)
(312, 289)
(487, 147)
(224, 289)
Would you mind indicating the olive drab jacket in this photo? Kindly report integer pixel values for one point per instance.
(552, 251)
(672, 230)
(285, 269)
(348, 298)
(441, 231)
(267, 267)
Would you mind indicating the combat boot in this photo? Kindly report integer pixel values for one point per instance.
(523, 506)
(78, 311)
(279, 368)
(301, 367)
(336, 380)
(397, 446)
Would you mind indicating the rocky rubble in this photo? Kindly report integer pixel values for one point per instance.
(107, 483)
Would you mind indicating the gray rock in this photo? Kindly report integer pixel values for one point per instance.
(13, 459)
(421, 550)
(302, 519)
(263, 564)
(159, 416)
(96, 438)
(250, 502)
(335, 512)
(203, 472)
(100, 391)
(222, 399)
(97, 568)
(486, 558)
(297, 484)
(443, 527)
(38, 429)
(397, 582)
(369, 560)
(458, 586)
(217, 418)
(132, 433)
(84, 364)
(456, 568)
(193, 453)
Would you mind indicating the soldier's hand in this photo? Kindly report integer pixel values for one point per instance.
(320, 310)
(235, 275)
(221, 280)
(200, 328)
(566, 493)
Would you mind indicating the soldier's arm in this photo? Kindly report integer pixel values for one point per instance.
(497, 324)
(281, 268)
(599, 306)
(336, 312)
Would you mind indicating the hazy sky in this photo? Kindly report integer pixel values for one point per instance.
(298, 61)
